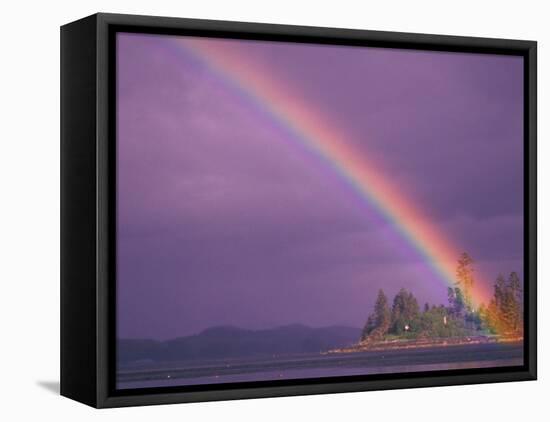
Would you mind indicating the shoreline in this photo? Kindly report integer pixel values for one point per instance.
(399, 344)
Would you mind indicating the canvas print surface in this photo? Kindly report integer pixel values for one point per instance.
(291, 211)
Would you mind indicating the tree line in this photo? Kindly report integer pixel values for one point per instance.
(461, 317)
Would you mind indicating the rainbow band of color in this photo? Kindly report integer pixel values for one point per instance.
(314, 130)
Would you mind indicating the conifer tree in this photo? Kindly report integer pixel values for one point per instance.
(504, 314)
(465, 279)
(378, 323)
(405, 312)
(516, 286)
(456, 302)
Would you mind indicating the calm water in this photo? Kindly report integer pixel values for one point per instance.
(317, 366)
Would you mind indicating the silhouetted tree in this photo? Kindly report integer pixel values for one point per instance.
(378, 323)
(465, 279)
(456, 302)
(405, 312)
(517, 291)
(370, 325)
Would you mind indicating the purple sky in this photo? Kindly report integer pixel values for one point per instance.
(223, 219)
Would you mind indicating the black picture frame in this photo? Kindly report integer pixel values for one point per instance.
(88, 209)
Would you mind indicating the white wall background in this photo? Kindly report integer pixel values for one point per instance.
(29, 223)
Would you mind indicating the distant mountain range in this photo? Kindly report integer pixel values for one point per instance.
(233, 342)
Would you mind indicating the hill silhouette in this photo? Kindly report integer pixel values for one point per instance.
(233, 342)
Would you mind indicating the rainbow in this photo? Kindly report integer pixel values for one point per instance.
(332, 145)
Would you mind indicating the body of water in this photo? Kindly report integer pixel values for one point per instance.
(154, 374)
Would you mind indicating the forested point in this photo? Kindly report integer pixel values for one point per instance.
(502, 317)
